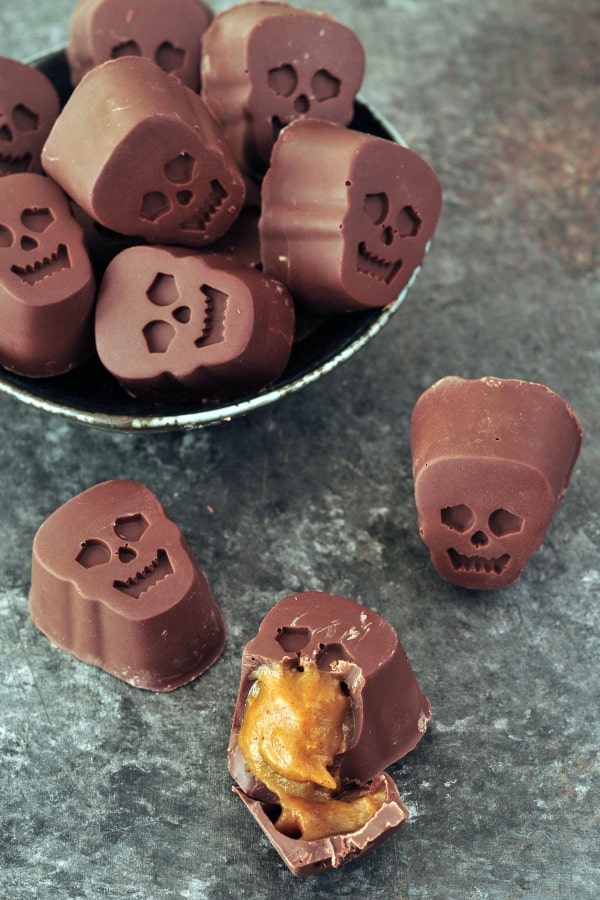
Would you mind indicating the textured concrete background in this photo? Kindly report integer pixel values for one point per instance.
(110, 791)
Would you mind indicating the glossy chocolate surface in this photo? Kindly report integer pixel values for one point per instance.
(29, 105)
(47, 289)
(267, 64)
(166, 31)
(492, 460)
(114, 582)
(346, 217)
(204, 326)
(143, 156)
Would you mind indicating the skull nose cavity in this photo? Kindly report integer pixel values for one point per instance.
(301, 104)
(28, 243)
(479, 539)
(126, 554)
(387, 235)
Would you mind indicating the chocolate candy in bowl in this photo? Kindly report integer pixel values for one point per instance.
(327, 700)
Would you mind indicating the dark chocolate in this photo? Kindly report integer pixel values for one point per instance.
(196, 325)
(142, 155)
(29, 105)
(267, 64)
(47, 289)
(346, 217)
(114, 582)
(492, 460)
(168, 32)
(389, 712)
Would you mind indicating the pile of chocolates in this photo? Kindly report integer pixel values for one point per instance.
(188, 135)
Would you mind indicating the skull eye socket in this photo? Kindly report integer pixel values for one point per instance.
(503, 522)
(409, 222)
(155, 204)
(458, 518)
(169, 58)
(163, 291)
(180, 169)
(130, 528)
(6, 237)
(127, 48)
(24, 119)
(377, 207)
(37, 220)
(282, 80)
(93, 553)
(324, 85)
(292, 638)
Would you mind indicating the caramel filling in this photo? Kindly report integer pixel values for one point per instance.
(295, 723)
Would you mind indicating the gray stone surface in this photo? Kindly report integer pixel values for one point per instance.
(111, 791)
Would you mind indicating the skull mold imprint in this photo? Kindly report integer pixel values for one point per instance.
(346, 217)
(115, 583)
(267, 64)
(46, 284)
(29, 105)
(198, 326)
(166, 31)
(149, 160)
(492, 460)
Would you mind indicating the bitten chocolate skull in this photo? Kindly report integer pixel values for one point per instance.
(29, 105)
(115, 583)
(168, 32)
(47, 289)
(346, 217)
(265, 65)
(196, 325)
(492, 460)
(149, 160)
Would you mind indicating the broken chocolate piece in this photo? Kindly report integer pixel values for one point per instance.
(346, 217)
(47, 289)
(197, 326)
(168, 32)
(492, 460)
(267, 64)
(327, 700)
(29, 105)
(114, 582)
(142, 155)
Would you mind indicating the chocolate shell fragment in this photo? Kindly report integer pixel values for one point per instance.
(114, 582)
(196, 326)
(29, 106)
(47, 288)
(141, 154)
(168, 32)
(267, 64)
(327, 700)
(346, 217)
(492, 460)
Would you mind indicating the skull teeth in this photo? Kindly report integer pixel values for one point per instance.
(480, 564)
(148, 577)
(211, 207)
(43, 268)
(370, 264)
(10, 165)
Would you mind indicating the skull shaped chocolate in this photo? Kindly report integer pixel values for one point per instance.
(47, 289)
(346, 217)
(29, 105)
(115, 583)
(267, 64)
(196, 326)
(149, 159)
(492, 459)
(166, 31)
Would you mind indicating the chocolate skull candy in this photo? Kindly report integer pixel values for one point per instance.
(267, 64)
(149, 158)
(492, 460)
(114, 582)
(195, 326)
(346, 217)
(166, 31)
(47, 288)
(29, 105)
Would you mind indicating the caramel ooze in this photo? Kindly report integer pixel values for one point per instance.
(295, 723)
